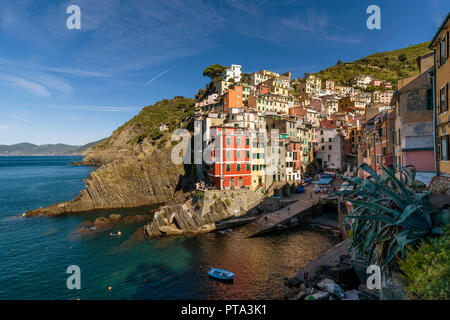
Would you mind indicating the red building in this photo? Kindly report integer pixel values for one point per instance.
(231, 166)
(294, 147)
(262, 88)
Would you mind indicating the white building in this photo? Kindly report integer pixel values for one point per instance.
(233, 73)
(331, 146)
(362, 81)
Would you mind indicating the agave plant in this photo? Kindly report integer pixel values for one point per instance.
(388, 214)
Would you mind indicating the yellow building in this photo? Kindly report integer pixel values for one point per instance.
(351, 104)
(258, 159)
(441, 46)
(264, 102)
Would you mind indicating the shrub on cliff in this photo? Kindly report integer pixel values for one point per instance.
(146, 124)
(427, 269)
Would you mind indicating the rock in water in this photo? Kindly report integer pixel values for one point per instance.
(170, 230)
(332, 288)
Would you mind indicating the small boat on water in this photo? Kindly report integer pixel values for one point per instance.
(221, 274)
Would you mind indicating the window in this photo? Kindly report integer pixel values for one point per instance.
(238, 167)
(238, 154)
(329, 139)
(228, 141)
(429, 99)
(228, 155)
(323, 147)
(323, 139)
(329, 147)
(443, 94)
(444, 148)
(238, 141)
(248, 154)
(248, 167)
(443, 52)
(228, 167)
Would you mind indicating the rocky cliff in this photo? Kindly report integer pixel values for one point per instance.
(135, 166)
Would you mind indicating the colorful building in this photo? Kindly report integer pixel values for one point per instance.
(231, 162)
(414, 119)
(232, 98)
(441, 46)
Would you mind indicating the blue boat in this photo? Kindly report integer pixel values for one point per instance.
(300, 189)
(221, 274)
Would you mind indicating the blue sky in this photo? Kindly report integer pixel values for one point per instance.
(77, 86)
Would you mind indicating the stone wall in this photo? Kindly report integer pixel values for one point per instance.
(239, 201)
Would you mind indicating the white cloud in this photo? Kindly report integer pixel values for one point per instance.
(27, 85)
(6, 127)
(21, 115)
(98, 108)
(159, 75)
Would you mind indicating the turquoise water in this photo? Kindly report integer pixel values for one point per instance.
(35, 252)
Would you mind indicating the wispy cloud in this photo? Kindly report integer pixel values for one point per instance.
(27, 85)
(98, 108)
(76, 72)
(21, 116)
(257, 7)
(128, 36)
(159, 75)
(5, 127)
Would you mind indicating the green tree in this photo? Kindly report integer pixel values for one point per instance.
(402, 57)
(214, 71)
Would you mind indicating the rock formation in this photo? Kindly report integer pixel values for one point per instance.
(183, 218)
(135, 165)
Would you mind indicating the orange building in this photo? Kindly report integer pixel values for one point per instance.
(232, 98)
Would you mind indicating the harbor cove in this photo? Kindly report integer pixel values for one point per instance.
(35, 252)
(204, 152)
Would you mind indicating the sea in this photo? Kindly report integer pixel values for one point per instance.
(36, 252)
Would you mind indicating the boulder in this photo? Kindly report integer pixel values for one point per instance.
(342, 274)
(300, 296)
(100, 221)
(294, 282)
(332, 288)
(170, 230)
(290, 292)
(114, 216)
(351, 295)
(365, 293)
(320, 295)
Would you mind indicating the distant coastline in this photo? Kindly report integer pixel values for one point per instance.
(40, 155)
(26, 149)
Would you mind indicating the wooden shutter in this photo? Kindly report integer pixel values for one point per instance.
(447, 45)
(446, 96)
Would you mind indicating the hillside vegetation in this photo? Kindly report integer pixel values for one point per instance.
(389, 65)
(146, 124)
